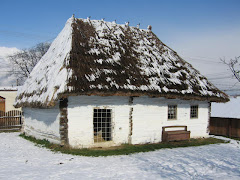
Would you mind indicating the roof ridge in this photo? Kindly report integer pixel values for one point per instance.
(113, 22)
(88, 58)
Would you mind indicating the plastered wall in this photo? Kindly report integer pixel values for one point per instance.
(42, 123)
(9, 100)
(148, 116)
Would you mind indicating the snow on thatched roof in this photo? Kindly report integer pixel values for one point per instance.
(95, 57)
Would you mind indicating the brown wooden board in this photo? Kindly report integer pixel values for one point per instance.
(176, 135)
(225, 126)
(11, 119)
(2, 104)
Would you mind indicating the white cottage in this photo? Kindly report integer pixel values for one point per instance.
(105, 84)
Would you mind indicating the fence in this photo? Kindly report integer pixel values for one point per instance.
(11, 120)
(225, 126)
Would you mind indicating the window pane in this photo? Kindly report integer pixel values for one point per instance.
(102, 125)
(194, 111)
(172, 112)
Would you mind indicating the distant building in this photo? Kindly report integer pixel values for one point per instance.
(7, 98)
(227, 110)
(225, 118)
(106, 84)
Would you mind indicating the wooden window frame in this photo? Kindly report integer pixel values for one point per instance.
(102, 125)
(194, 111)
(172, 116)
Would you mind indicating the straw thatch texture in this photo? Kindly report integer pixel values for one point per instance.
(103, 58)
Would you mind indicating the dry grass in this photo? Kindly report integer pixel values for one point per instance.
(124, 149)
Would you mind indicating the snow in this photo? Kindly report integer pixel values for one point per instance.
(227, 110)
(50, 76)
(21, 159)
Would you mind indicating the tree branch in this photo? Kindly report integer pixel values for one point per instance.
(234, 66)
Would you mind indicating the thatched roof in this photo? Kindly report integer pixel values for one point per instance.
(95, 57)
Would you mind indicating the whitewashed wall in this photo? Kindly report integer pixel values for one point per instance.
(151, 114)
(9, 100)
(148, 117)
(80, 119)
(42, 123)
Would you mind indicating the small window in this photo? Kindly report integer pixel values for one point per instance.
(172, 112)
(194, 111)
(102, 126)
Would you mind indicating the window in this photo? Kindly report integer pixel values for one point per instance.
(194, 111)
(172, 112)
(102, 126)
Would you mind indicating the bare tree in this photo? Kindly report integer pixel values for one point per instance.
(24, 61)
(234, 66)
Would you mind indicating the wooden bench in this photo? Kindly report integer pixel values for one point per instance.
(175, 135)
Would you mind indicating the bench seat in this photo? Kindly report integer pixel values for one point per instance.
(176, 135)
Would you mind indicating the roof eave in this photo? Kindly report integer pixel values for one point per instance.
(121, 93)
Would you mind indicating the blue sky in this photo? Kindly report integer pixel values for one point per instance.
(200, 31)
(27, 22)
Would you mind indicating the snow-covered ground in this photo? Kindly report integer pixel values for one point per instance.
(20, 159)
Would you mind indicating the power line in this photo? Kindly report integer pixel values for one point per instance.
(215, 74)
(226, 85)
(223, 77)
(202, 57)
(227, 90)
(201, 60)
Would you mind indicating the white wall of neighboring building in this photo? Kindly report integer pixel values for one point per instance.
(227, 110)
(9, 100)
(149, 115)
(42, 123)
